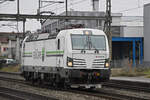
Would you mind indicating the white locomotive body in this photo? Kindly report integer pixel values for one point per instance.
(74, 56)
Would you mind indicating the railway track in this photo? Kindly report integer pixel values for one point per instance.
(108, 95)
(119, 84)
(128, 85)
(10, 73)
(100, 92)
(13, 94)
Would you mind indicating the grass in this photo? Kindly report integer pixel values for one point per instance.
(147, 73)
(10, 68)
(131, 72)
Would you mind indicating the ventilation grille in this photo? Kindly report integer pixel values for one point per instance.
(79, 62)
(98, 63)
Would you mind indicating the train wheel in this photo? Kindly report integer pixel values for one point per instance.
(66, 84)
(55, 85)
(39, 82)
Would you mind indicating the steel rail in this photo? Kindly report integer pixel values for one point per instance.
(107, 94)
(13, 80)
(128, 85)
(10, 73)
(10, 96)
(22, 95)
(98, 93)
(121, 84)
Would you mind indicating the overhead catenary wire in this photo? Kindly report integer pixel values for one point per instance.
(126, 10)
(75, 3)
(81, 1)
(134, 8)
(70, 4)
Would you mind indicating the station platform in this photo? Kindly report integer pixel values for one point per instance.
(132, 79)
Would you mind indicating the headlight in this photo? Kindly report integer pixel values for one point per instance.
(106, 64)
(69, 62)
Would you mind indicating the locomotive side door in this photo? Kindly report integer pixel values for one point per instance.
(60, 51)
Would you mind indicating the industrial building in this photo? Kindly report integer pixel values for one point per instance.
(8, 44)
(146, 34)
(127, 49)
(127, 34)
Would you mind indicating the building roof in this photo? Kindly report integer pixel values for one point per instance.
(147, 5)
(6, 34)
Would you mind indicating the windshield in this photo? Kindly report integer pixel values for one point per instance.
(88, 42)
(79, 42)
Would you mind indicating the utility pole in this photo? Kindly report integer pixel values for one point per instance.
(66, 22)
(107, 25)
(39, 7)
(18, 40)
(18, 12)
(24, 20)
(66, 7)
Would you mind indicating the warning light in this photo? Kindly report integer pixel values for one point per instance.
(87, 32)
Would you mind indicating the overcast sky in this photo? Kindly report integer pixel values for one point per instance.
(127, 7)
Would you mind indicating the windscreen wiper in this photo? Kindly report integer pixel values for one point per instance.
(83, 50)
(96, 50)
(91, 45)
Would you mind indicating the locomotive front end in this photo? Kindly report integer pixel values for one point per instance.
(88, 60)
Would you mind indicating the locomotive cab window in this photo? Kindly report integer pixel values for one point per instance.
(90, 42)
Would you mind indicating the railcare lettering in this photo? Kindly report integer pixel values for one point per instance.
(37, 54)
